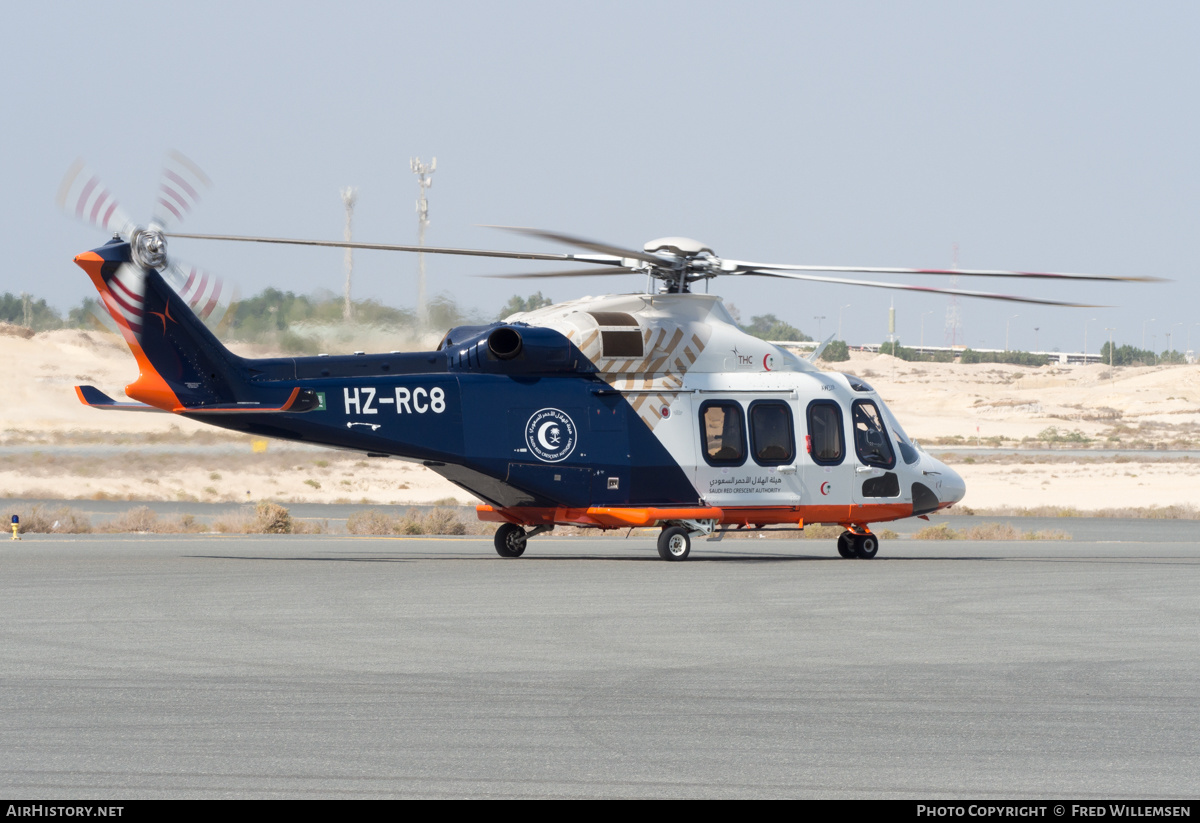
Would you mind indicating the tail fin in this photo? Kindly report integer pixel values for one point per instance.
(182, 366)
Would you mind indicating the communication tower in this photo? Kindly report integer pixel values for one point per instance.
(953, 316)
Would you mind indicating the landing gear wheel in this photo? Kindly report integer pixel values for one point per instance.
(510, 540)
(846, 545)
(674, 543)
(866, 546)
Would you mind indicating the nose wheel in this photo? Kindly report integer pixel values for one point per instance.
(674, 543)
(861, 546)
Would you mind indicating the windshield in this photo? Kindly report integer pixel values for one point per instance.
(908, 450)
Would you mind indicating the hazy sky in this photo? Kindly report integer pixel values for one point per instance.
(1041, 135)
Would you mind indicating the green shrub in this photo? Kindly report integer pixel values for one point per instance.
(836, 351)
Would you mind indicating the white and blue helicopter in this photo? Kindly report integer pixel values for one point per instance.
(631, 410)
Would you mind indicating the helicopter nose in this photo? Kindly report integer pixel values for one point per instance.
(953, 489)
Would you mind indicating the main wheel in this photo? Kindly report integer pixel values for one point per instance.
(866, 546)
(510, 540)
(674, 543)
(846, 545)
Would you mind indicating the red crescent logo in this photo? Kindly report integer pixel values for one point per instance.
(767, 362)
(825, 487)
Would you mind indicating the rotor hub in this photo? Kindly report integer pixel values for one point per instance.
(149, 248)
(680, 246)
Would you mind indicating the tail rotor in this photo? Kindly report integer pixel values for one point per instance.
(84, 197)
(181, 184)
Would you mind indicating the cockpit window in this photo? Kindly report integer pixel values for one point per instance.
(870, 437)
(858, 384)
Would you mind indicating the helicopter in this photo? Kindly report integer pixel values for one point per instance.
(649, 409)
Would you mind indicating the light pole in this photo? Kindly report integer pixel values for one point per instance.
(819, 318)
(1110, 330)
(839, 337)
(1006, 322)
(1169, 336)
(1036, 345)
(931, 311)
(424, 173)
(349, 197)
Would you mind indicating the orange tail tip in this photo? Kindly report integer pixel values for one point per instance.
(150, 387)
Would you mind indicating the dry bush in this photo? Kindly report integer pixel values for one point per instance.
(444, 521)
(57, 520)
(1046, 534)
(271, 518)
(987, 531)
(991, 531)
(141, 519)
(821, 532)
(410, 524)
(437, 521)
(941, 531)
(370, 521)
(1034, 511)
(266, 518)
(183, 524)
(233, 523)
(1174, 512)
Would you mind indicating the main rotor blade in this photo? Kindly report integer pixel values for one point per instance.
(603, 248)
(568, 273)
(928, 289)
(746, 266)
(206, 294)
(603, 260)
(179, 188)
(84, 197)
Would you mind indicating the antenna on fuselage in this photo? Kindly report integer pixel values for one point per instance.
(424, 173)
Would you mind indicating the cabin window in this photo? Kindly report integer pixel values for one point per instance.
(825, 442)
(722, 431)
(870, 437)
(772, 441)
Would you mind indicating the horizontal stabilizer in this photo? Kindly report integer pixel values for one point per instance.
(92, 396)
(300, 400)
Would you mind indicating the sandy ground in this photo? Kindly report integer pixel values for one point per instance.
(1154, 407)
